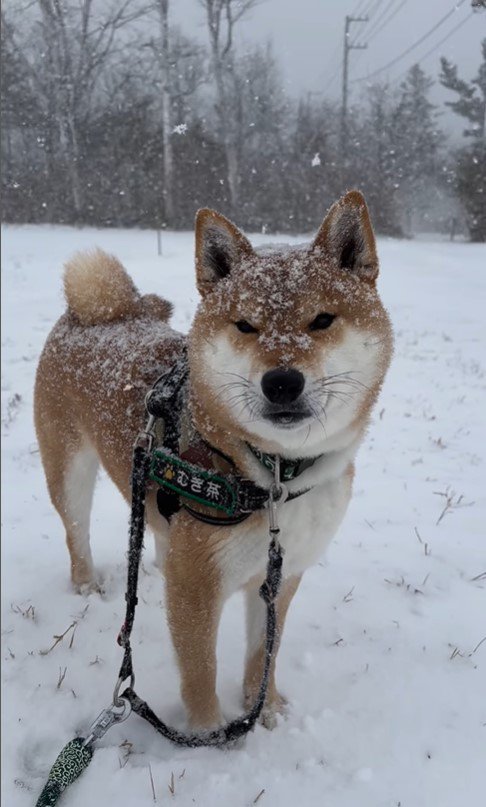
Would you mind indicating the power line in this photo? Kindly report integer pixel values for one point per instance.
(336, 50)
(361, 8)
(387, 21)
(384, 22)
(379, 19)
(332, 61)
(372, 9)
(357, 10)
(414, 45)
(438, 45)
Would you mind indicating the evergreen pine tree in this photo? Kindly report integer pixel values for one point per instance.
(470, 172)
(373, 161)
(417, 140)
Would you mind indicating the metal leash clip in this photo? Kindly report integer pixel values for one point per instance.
(145, 438)
(107, 718)
(278, 495)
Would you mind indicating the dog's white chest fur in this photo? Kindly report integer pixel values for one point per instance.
(307, 525)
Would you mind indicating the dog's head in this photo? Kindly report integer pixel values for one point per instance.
(289, 345)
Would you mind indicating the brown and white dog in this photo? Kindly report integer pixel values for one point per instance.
(287, 353)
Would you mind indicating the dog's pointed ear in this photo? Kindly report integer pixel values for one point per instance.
(219, 244)
(347, 236)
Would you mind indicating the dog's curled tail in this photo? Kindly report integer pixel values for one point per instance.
(98, 289)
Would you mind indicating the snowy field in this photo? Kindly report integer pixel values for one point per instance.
(384, 654)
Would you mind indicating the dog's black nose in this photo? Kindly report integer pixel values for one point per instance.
(282, 386)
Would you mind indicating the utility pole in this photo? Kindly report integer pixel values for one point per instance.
(344, 108)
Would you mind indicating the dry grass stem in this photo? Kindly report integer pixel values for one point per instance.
(452, 502)
(152, 784)
(72, 637)
(403, 584)
(27, 613)
(62, 675)
(477, 646)
(58, 638)
(424, 543)
(349, 596)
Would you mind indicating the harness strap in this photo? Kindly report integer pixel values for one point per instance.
(229, 493)
(165, 400)
(230, 521)
(289, 468)
(216, 521)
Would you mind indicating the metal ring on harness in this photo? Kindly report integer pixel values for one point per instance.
(117, 700)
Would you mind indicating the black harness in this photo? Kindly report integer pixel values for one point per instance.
(231, 497)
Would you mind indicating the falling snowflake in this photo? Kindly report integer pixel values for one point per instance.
(316, 160)
(180, 129)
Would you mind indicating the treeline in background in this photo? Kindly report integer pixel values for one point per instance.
(111, 117)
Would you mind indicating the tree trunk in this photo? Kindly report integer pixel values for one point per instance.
(167, 152)
(74, 166)
(64, 102)
(220, 65)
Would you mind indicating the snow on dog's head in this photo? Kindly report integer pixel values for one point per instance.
(289, 345)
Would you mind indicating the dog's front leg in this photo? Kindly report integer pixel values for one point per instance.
(194, 604)
(256, 628)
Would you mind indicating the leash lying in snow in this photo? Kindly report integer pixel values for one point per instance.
(165, 400)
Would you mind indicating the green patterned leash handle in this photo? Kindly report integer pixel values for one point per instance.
(77, 754)
(73, 759)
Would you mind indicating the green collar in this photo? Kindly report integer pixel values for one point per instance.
(289, 469)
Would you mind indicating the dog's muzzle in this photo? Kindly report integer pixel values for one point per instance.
(282, 389)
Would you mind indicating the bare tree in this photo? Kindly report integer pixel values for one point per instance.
(222, 16)
(75, 42)
(167, 153)
(178, 61)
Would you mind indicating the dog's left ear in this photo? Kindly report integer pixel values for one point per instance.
(347, 235)
(219, 245)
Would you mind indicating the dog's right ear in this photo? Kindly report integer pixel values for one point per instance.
(219, 244)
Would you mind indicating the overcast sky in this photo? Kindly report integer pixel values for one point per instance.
(308, 38)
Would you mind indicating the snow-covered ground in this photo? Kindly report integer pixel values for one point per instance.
(382, 657)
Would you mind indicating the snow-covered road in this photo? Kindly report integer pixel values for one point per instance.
(382, 658)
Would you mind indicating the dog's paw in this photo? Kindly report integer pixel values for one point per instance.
(274, 708)
(95, 585)
(204, 720)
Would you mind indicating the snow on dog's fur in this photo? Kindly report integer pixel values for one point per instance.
(287, 352)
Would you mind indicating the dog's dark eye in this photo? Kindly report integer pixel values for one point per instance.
(321, 322)
(245, 326)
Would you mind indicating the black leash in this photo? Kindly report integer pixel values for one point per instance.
(165, 400)
(268, 591)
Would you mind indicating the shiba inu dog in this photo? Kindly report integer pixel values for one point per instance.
(287, 353)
